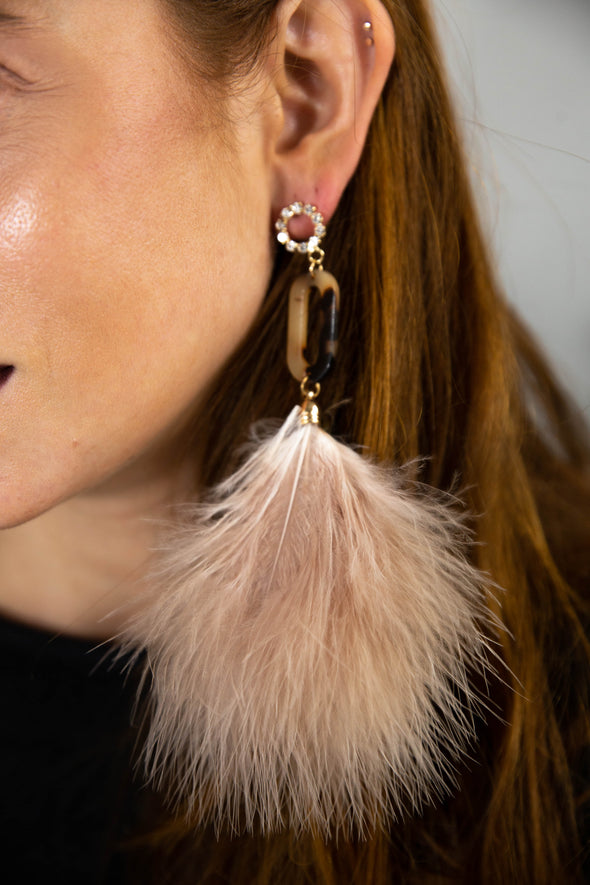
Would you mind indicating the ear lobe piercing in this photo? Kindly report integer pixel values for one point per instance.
(368, 33)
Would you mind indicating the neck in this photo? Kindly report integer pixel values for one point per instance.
(81, 567)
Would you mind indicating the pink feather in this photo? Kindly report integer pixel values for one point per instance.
(311, 641)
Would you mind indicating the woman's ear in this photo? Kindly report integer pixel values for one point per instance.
(331, 58)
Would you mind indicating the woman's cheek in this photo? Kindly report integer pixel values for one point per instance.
(21, 232)
(18, 224)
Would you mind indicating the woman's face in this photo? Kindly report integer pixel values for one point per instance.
(134, 246)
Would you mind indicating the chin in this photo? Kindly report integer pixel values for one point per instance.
(24, 505)
(37, 484)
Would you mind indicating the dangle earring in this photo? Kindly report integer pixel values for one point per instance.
(317, 282)
(313, 632)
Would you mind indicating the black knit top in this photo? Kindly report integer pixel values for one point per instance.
(68, 802)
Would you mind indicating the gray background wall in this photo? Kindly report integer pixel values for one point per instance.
(521, 73)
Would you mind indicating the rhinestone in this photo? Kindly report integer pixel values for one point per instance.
(311, 246)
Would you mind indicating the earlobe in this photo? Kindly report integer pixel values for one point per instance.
(333, 61)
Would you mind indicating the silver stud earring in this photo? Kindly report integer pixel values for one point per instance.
(368, 33)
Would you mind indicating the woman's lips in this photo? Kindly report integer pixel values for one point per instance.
(5, 373)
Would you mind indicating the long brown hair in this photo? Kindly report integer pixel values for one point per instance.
(433, 363)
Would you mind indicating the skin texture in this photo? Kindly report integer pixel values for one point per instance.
(128, 269)
(135, 251)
